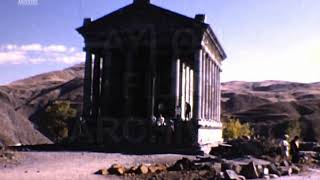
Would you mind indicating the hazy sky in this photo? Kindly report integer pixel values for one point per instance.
(264, 39)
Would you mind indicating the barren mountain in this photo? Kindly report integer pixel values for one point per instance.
(22, 101)
(269, 106)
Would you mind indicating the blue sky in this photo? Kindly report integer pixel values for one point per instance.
(264, 39)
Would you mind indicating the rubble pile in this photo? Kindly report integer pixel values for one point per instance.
(241, 147)
(121, 170)
(8, 156)
(235, 161)
(181, 168)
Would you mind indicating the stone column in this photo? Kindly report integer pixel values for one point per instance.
(191, 89)
(105, 83)
(213, 91)
(210, 89)
(150, 90)
(96, 96)
(203, 86)
(183, 91)
(126, 84)
(180, 103)
(174, 84)
(216, 93)
(197, 84)
(87, 87)
(187, 98)
(219, 95)
(207, 88)
(177, 86)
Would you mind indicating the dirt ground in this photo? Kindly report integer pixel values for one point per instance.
(73, 165)
(82, 165)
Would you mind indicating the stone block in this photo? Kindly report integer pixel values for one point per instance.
(250, 171)
(117, 169)
(103, 171)
(231, 175)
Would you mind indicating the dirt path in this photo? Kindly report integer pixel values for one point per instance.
(312, 174)
(72, 165)
(82, 165)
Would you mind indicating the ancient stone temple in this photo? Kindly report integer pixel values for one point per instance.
(147, 68)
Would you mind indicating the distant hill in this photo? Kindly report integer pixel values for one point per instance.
(268, 105)
(22, 102)
(271, 105)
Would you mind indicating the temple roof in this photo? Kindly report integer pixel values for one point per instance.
(143, 12)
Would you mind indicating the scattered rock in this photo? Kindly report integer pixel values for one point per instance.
(117, 169)
(157, 168)
(295, 169)
(250, 171)
(217, 167)
(284, 163)
(273, 176)
(241, 177)
(273, 169)
(142, 169)
(285, 170)
(226, 165)
(237, 168)
(265, 177)
(103, 171)
(182, 164)
(231, 175)
(265, 171)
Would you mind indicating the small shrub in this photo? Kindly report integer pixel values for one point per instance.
(56, 119)
(293, 129)
(233, 129)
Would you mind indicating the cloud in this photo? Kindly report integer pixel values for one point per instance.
(36, 53)
(30, 47)
(56, 48)
(13, 57)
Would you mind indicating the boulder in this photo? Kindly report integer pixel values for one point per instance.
(117, 169)
(142, 169)
(265, 171)
(260, 169)
(217, 167)
(284, 163)
(132, 170)
(231, 175)
(272, 176)
(103, 171)
(273, 169)
(157, 168)
(241, 177)
(226, 165)
(308, 146)
(295, 169)
(183, 164)
(250, 171)
(237, 168)
(285, 170)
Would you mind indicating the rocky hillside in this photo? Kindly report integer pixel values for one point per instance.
(268, 105)
(22, 101)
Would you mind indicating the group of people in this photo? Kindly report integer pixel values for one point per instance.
(290, 150)
(164, 128)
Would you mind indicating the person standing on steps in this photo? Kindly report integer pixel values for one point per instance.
(294, 149)
(284, 146)
(188, 111)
